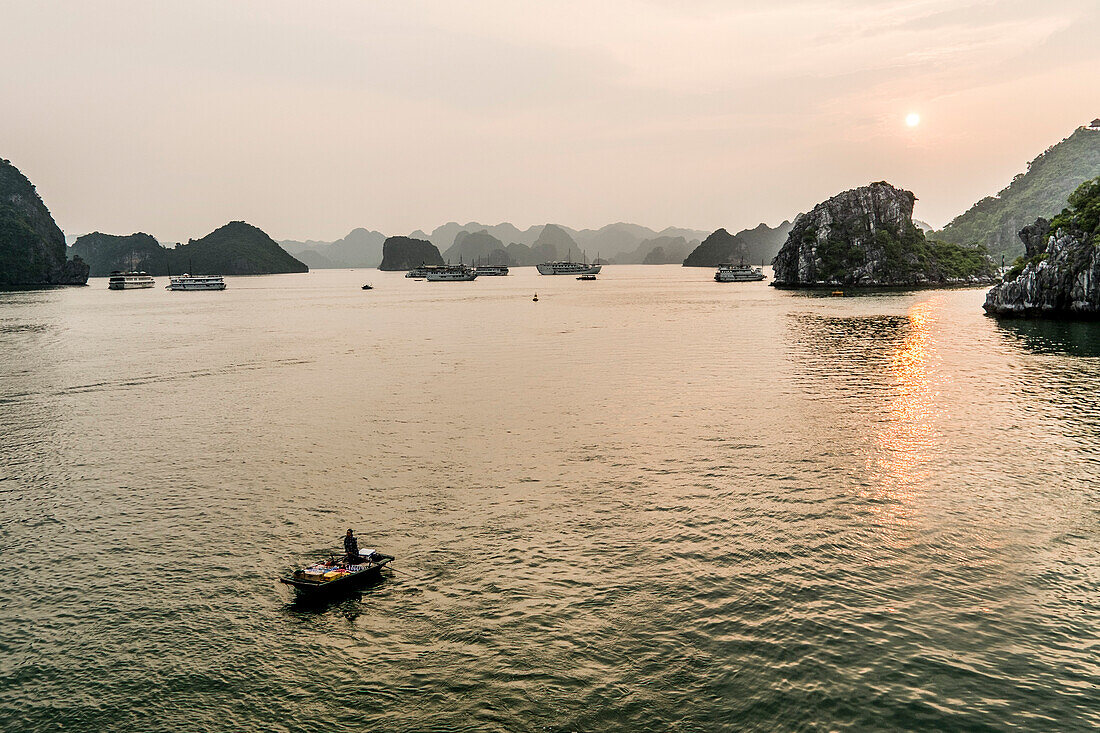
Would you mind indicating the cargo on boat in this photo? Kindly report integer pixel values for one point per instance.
(335, 575)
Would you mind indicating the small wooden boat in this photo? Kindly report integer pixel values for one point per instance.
(336, 575)
(368, 286)
(587, 277)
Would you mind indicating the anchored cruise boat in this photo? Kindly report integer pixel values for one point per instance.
(729, 273)
(195, 282)
(568, 267)
(492, 270)
(450, 273)
(129, 280)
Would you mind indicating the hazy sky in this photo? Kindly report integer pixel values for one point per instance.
(311, 118)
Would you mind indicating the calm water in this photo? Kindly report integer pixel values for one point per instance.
(647, 503)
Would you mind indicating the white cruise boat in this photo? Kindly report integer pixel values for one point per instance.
(421, 272)
(492, 270)
(195, 282)
(130, 280)
(568, 268)
(741, 273)
(451, 273)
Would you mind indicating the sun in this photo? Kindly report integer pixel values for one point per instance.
(912, 119)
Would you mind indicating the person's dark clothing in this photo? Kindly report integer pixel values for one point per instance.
(351, 546)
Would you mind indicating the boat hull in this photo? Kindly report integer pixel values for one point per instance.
(738, 278)
(313, 588)
(568, 268)
(215, 286)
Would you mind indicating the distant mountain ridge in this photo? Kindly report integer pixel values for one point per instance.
(1049, 180)
(359, 248)
(237, 248)
(759, 244)
(507, 244)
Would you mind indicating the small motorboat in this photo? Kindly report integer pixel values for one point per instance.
(334, 575)
(368, 286)
(588, 276)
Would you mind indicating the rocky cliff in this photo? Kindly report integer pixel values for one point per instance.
(866, 237)
(32, 247)
(405, 253)
(1059, 275)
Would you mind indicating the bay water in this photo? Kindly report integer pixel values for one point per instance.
(650, 502)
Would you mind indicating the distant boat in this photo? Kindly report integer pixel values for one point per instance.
(492, 270)
(129, 280)
(419, 273)
(368, 286)
(195, 282)
(588, 276)
(451, 273)
(729, 273)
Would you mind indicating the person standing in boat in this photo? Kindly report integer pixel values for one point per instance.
(351, 547)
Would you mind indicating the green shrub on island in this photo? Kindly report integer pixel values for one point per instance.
(1083, 212)
(1081, 216)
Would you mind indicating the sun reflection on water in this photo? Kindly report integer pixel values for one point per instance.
(899, 462)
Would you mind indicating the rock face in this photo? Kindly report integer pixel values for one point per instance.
(866, 237)
(32, 247)
(405, 253)
(719, 247)
(1034, 236)
(1061, 275)
(106, 253)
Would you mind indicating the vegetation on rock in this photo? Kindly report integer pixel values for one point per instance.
(32, 246)
(1050, 179)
